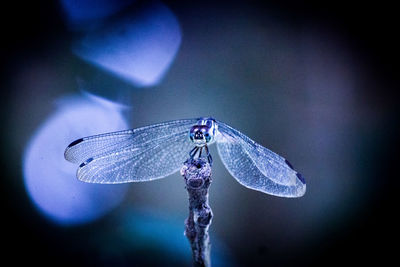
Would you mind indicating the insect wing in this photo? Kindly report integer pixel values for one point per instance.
(256, 167)
(142, 154)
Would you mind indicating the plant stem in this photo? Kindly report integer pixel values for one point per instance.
(197, 175)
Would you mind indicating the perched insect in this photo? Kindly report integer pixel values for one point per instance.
(158, 150)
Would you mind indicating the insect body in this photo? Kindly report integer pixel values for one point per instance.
(203, 134)
(156, 151)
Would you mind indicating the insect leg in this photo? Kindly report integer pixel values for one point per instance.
(209, 158)
(193, 152)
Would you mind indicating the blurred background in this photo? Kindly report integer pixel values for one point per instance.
(315, 82)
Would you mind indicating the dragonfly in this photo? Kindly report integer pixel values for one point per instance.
(159, 150)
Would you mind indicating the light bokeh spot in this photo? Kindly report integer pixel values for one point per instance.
(51, 181)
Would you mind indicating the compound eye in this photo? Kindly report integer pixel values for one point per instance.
(191, 135)
(208, 137)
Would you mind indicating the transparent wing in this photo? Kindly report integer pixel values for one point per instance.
(256, 167)
(141, 154)
(102, 144)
